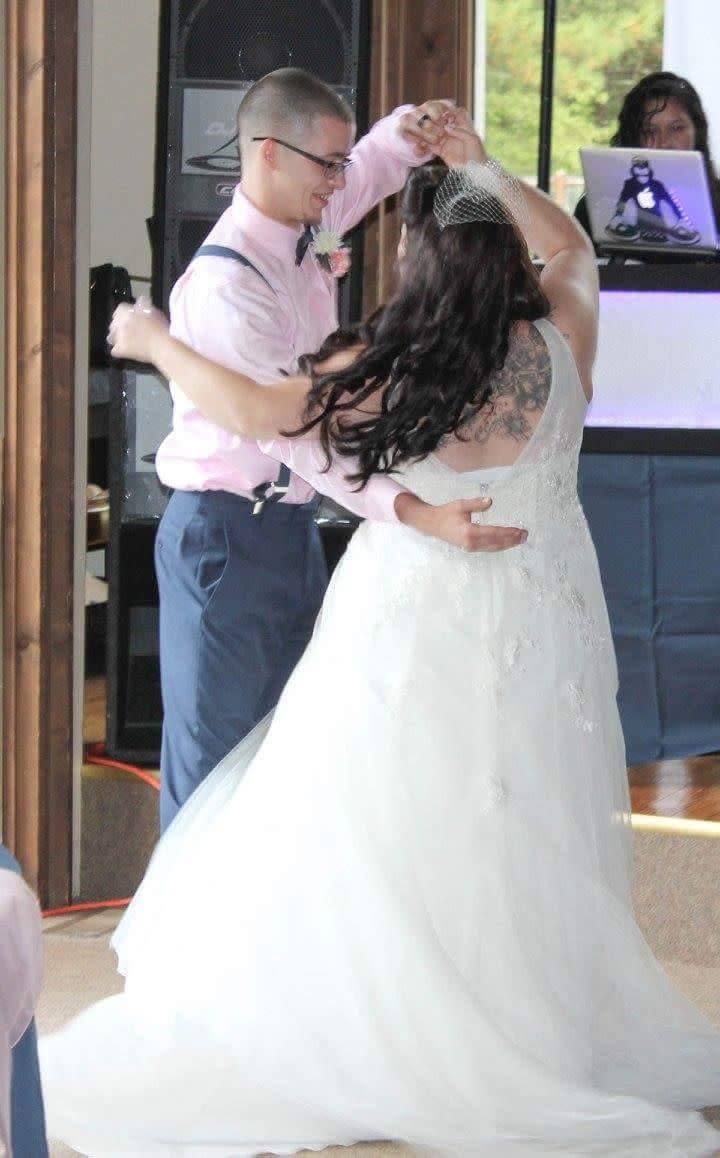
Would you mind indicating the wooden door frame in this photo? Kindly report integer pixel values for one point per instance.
(38, 517)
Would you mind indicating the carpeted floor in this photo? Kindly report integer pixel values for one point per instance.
(678, 908)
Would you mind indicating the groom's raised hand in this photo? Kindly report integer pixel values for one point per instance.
(425, 126)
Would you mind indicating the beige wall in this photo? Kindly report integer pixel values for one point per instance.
(122, 156)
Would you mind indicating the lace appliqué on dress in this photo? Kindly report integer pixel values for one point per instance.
(575, 701)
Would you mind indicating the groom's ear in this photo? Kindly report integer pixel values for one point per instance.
(269, 154)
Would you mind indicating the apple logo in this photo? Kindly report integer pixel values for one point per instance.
(646, 199)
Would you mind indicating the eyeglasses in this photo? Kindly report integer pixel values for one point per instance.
(331, 169)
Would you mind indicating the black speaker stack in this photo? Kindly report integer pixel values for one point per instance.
(211, 53)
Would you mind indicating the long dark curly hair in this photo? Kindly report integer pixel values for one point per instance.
(431, 351)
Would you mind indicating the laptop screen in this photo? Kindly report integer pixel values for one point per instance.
(649, 200)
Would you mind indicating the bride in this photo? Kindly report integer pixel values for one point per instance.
(400, 909)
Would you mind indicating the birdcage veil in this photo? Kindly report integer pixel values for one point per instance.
(480, 192)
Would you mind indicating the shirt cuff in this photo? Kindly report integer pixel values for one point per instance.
(380, 494)
(305, 457)
(386, 134)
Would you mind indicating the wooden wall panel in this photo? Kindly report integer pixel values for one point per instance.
(38, 463)
(420, 49)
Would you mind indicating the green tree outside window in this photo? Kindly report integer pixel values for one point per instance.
(602, 48)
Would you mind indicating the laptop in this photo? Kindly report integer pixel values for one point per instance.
(649, 201)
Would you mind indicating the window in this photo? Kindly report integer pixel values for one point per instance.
(601, 49)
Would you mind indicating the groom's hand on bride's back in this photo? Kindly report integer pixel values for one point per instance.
(453, 523)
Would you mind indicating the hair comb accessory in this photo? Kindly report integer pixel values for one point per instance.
(480, 192)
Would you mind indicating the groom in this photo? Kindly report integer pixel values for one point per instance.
(239, 561)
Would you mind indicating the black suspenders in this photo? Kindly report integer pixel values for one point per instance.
(225, 251)
(265, 492)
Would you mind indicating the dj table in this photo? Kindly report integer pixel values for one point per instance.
(650, 485)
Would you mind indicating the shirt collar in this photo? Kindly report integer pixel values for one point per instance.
(273, 236)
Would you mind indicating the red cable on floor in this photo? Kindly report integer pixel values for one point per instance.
(94, 754)
(87, 906)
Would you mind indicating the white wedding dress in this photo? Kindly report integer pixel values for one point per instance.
(401, 908)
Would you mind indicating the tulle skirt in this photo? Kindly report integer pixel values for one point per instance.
(400, 909)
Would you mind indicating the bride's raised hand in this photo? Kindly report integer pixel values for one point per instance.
(461, 142)
(135, 330)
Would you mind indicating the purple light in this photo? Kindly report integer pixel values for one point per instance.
(658, 361)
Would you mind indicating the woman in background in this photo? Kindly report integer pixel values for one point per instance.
(662, 111)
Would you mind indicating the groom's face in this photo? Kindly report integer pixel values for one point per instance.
(304, 185)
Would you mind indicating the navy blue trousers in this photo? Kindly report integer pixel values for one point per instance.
(239, 595)
(27, 1116)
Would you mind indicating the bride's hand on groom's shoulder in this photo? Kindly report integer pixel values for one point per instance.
(453, 523)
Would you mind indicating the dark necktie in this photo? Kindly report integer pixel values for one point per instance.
(303, 242)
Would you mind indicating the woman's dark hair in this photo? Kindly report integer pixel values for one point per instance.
(431, 351)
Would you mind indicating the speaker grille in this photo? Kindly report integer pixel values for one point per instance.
(191, 235)
(211, 52)
(232, 40)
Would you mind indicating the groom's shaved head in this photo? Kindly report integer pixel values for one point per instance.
(285, 104)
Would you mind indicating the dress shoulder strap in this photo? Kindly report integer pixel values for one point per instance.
(561, 356)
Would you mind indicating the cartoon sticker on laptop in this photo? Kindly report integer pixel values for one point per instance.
(647, 211)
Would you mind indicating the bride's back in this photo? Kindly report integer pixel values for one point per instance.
(522, 447)
(497, 434)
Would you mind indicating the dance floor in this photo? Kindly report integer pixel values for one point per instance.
(684, 789)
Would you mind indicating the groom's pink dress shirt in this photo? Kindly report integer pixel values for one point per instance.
(228, 313)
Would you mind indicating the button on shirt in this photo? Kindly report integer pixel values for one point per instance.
(228, 313)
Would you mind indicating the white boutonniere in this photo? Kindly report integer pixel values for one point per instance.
(330, 253)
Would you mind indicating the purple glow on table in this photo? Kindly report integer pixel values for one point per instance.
(658, 361)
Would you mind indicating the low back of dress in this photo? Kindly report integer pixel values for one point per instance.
(529, 436)
(494, 437)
